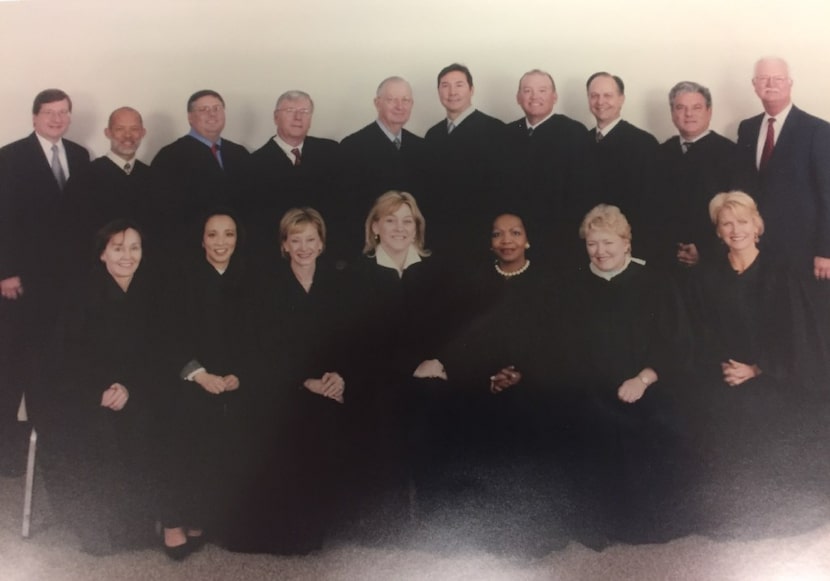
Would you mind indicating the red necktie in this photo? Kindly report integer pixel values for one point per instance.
(769, 144)
(298, 157)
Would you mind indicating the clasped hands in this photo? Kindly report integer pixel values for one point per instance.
(735, 372)
(506, 377)
(216, 384)
(115, 397)
(331, 385)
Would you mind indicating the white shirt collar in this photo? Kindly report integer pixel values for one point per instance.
(529, 126)
(120, 161)
(608, 275)
(287, 147)
(607, 129)
(458, 120)
(383, 259)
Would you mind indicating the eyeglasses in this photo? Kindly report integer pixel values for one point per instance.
(205, 109)
(295, 111)
(766, 80)
(63, 113)
(397, 101)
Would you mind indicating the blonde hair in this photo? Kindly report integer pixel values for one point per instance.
(606, 217)
(296, 219)
(734, 200)
(389, 203)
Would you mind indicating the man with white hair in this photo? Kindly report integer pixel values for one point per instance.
(384, 155)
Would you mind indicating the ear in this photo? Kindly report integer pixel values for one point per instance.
(375, 228)
(555, 97)
(107, 133)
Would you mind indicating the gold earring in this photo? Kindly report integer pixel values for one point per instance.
(527, 245)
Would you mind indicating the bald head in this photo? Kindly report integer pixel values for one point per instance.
(125, 131)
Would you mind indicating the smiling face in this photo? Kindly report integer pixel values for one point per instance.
(773, 84)
(455, 93)
(219, 240)
(394, 104)
(509, 241)
(303, 245)
(737, 228)
(207, 117)
(122, 255)
(536, 97)
(690, 114)
(293, 120)
(607, 250)
(605, 100)
(125, 133)
(396, 230)
(53, 120)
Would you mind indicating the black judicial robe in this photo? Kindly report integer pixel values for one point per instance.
(621, 326)
(275, 185)
(626, 160)
(471, 169)
(103, 192)
(554, 181)
(208, 319)
(105, 471)
(289, 502)
(688, 181)
(373, 166)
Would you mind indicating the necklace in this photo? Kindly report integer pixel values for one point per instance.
(515, 272)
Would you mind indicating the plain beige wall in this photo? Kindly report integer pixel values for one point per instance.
(152, 54)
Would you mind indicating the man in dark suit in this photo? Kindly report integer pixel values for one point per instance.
(203, 169)
(694, 165)
(293, 170)
(553, 171)
(116, 185)
(33, 172)
(786, 151)
(625, 157)
(384, 156)
(793, 179)
(471, 166)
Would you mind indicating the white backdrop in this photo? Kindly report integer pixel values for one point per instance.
(152, 54)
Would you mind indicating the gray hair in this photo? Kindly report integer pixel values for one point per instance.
(690, 87)
(294, 96)
(393, 79)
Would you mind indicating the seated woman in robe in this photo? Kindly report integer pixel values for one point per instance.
(630, 342)
(102, 369)
(206, 317)
(750, 313)
(304, 355)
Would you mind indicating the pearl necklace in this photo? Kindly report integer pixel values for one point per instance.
(514, 273)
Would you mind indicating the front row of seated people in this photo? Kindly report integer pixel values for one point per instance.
(256, 404)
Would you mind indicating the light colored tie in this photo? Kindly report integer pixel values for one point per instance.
(128, 167)
(687, 145)
(397, 143)
(450, 127)
(769, 144)
(57, 168)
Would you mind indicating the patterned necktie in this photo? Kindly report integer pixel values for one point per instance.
(530, 131)
(769, 144)
(128, 167)
(397, 143)
(687, 145)
(298, 157)
(599, 136)
(57, 168)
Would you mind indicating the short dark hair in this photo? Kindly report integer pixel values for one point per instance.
(220, 210)
(619, 81)
(203, 93)
(50, 96)
(110, 229)
(453, 68)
